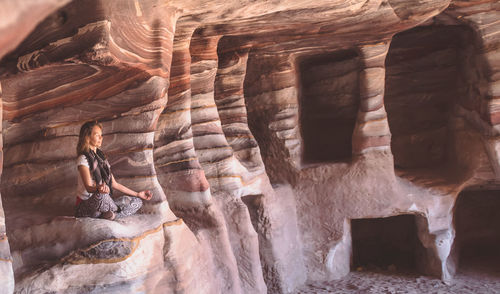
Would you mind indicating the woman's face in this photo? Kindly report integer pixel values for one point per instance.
(95, 139)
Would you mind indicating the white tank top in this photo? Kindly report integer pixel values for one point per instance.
(81, 191)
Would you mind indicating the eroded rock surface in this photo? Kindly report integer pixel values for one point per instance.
(264, 129)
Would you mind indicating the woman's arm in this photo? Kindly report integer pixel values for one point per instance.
(87, 179)
(146, 195)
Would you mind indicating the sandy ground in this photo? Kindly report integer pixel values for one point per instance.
(477, 279)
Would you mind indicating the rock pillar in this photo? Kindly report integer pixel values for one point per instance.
(372, 128)
(6, 272)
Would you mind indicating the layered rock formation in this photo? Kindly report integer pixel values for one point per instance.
(274, 135)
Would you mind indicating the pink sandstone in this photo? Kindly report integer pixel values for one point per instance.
(268, 132)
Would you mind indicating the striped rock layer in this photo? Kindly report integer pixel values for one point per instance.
(264, 130)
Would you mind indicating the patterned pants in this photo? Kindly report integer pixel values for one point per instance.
(99, 203)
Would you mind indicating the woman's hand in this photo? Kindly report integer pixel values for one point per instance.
(103, 188)
(146, 195)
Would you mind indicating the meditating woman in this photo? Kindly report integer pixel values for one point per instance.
(96, 182)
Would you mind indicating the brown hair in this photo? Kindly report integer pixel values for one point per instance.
(85, 132)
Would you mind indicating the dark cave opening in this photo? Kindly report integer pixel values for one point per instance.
(424, 79)
(477, 224)
(385, 243)
(329, 100)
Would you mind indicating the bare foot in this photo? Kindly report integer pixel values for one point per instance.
(109, 215)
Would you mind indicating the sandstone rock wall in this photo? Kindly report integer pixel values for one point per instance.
(263, 128)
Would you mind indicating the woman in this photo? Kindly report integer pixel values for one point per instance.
(96, 182)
